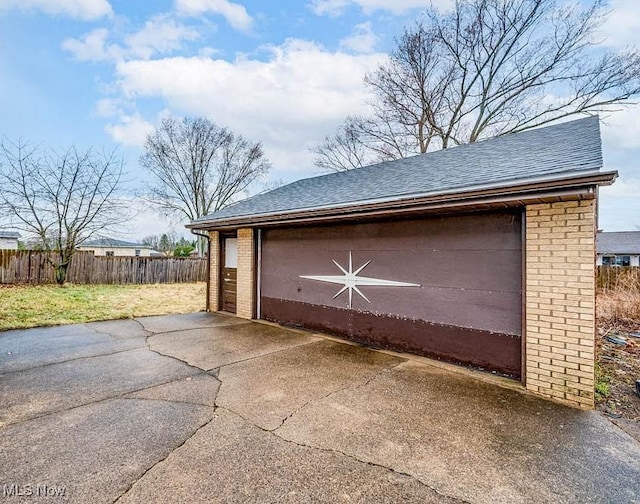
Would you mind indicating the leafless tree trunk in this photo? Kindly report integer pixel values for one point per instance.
(198, 167)
(62, 200)
(490, 68)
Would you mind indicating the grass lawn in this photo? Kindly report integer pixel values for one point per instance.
(45, 305)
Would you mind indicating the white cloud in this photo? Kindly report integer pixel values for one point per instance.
(622, 27)
(337, 7)
(160, 35)
(619, 205)
(623, 187)
(291, 100)
(235, 14)
(329, 7)
(132, 130)
(92, 46)
(362, 40)
(80, 9)
(147, 221)
(622, 128)
(109, 107)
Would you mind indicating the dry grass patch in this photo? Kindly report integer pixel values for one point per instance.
(618, 314)
(618, 308)
(618, 299)
(45, 305)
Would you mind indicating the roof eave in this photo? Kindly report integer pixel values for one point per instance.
(522, 191)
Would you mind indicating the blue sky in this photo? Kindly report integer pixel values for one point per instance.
(103, 73)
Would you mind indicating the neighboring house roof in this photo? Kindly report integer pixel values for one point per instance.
(563, 151)
(112, 242)
(9, 234)
(623, 242)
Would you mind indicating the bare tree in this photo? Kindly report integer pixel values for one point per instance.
(60, 199)
(164, 243)
(490, 68)
(198, 167)
(360, 141)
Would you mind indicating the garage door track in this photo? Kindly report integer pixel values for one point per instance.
(210, 408)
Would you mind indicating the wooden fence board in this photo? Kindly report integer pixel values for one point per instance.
(33, 267)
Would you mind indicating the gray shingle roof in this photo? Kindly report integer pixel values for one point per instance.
(111, 242)
(623, 242)
(565, 148)
(9, 234)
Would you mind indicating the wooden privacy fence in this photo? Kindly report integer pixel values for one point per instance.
(611, 277)
(32, 267)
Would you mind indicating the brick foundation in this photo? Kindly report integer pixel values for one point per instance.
(560, 301)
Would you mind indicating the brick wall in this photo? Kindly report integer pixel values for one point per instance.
(214, 271)
(246, 277)
(560, 301)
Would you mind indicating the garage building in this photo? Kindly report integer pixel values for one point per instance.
(481, 254)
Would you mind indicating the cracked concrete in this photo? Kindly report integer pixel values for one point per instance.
(210, 408)
(269, 390)
(200, 389)
(250, 465)
(228, 344)
(25, 349)
(97, 450)
(472, 440)
(33, 392)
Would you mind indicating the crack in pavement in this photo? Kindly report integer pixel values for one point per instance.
(343, 454)
(157, 352)
(143, 346)
(229, 363)
(225, 324)
(363, 383)
(153, 399)
(264, 355)
(96, 356)
(170, 452)
(214, 372)
(107, 333)
(119, 395)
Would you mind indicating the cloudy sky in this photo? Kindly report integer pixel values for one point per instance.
(103, 73)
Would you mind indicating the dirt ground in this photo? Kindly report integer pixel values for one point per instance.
(618, 370)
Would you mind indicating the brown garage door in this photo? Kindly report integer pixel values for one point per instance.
(447, 287)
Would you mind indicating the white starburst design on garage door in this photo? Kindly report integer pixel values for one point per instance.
(351, 281)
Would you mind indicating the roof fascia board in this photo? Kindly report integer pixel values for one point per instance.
(444, 198)
(472, 204)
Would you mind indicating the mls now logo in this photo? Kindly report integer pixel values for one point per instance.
(15, 490)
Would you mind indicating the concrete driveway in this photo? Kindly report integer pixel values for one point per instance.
(209, 408)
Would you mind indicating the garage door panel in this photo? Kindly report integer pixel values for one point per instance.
(487, 270)
(465, 271)
(491, 311)
(486, 349)
(445, 233)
